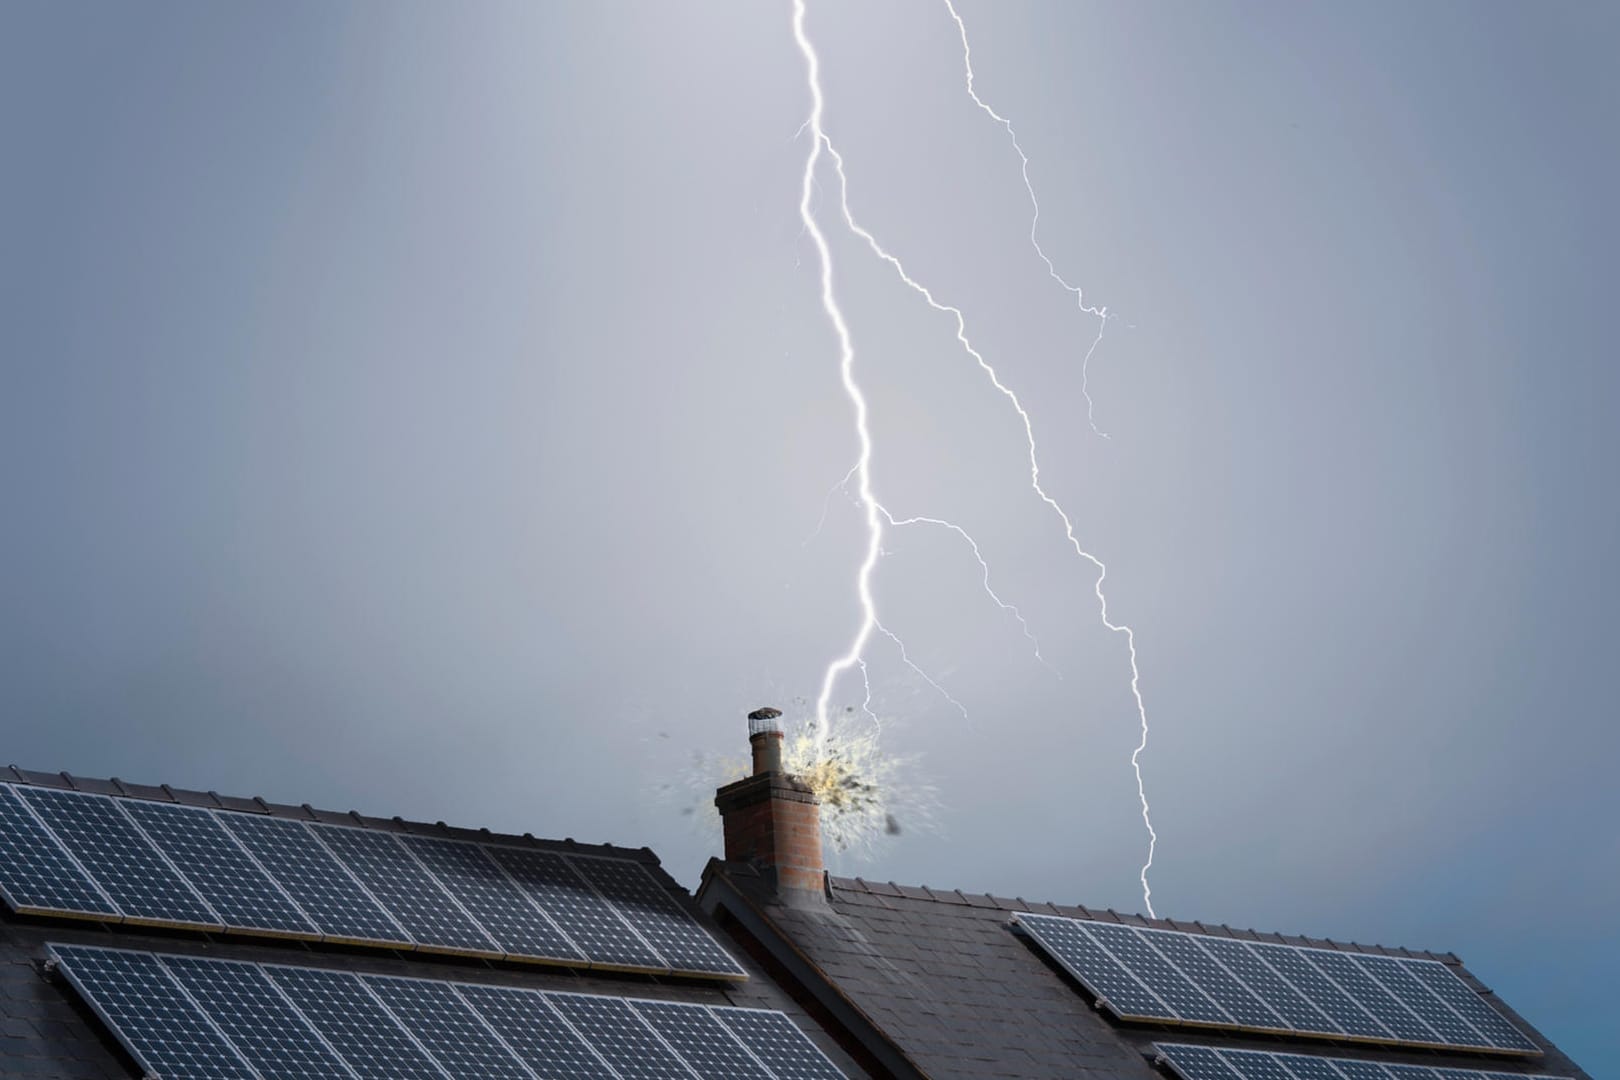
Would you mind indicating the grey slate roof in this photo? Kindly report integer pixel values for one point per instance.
(46, 1031)
(942, 977)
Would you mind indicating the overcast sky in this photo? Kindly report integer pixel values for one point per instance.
(424, 409)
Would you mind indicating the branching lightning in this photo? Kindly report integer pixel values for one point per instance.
(876, 515)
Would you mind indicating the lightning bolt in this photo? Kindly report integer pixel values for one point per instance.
(876, 514)
(1034, 225)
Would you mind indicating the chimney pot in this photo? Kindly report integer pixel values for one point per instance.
(765, 738)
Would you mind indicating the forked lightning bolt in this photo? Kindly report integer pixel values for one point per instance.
(876, 514)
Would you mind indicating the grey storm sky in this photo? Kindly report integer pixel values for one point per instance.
(424, 409)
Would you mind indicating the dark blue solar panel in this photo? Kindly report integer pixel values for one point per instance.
(254, 1016)
(1454, 992)
(1360, 1070)
(1298, 1013)
(1210, 977)
(1369, 995)
(409, 892)
(218, 868)
(1309, 1068)
(340, 907)
(1197, 1062)
(1143, 961)
(119, 859)
(355, 1023)
(707, 1045)
(1411, 993)
(773, 1038)
(1412, 1072)
(36, 873)
(492, 898)
(536, 1033)
(150, 1015)
(1292, 965)
(620, 1036)
(646, 905)
(1254, 1065)
(576, 908)
(1086, 961)
(447, 1028)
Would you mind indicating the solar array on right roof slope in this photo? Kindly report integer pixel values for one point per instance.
(1167, 976)
(185, 1017)
(125, 859)
(1220, 1063)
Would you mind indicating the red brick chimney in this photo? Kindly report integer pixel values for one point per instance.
(772, 819)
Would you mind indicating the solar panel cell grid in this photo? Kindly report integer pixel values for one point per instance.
(1307, 1068)
(576, 908)
(1411, 993)
(707, 1045)
(643, 903)
(119, 858)
(1210, 976)
(256, 1018)
(774, 1039)
(1256, 1066)
(1198, 1063)
(1361, 1070)
(1344, 970)
(302, 866)
(1454, 992)
(36, 873)
(408, 891)
(536, 1033)
(1411, 1072)
(150, 1014)
(1089, 962)
(621, 1037)
(492, 898)
(218, 868)
(447, 1028)
(1145, 962)
(355, 1024)
(1297, 1013)
(1323, 993)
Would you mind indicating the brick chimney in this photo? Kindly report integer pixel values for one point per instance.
(771, 819)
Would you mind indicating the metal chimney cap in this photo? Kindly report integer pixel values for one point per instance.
(763, 720)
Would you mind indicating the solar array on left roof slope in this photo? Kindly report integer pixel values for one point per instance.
(133, 860)
(1222, 1063)
(1200, 980)
(194, 1018)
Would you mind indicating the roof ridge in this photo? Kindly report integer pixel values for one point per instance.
(257, 804)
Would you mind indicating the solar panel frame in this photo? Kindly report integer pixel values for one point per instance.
(396, 878)
(110, 846)
(643, 904)
(214, 1058)
(223, 872)
(38, 874)
(340, 905)
(1109, 981)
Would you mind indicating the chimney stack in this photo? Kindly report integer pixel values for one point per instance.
(772, 819)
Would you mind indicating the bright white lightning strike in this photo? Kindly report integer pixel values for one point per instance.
(875, 513)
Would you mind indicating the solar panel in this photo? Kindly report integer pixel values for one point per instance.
(120, 859)
(1454, 992)
(341, 908)
(1068, 943)
(447, 1028)
(411, 895)
(647, 906)
(577, 909)
(707, 1045)
(149, 1013)
(37, 875)
(218, 868)
(490, 896)
(1212, 1063)
(536, 1033)
(1146, 973)
(355, 1024)
(773, 1038)
(621, 1037)
(248, 1009)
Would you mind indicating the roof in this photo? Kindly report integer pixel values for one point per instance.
(941, 979)
(47, 1030)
